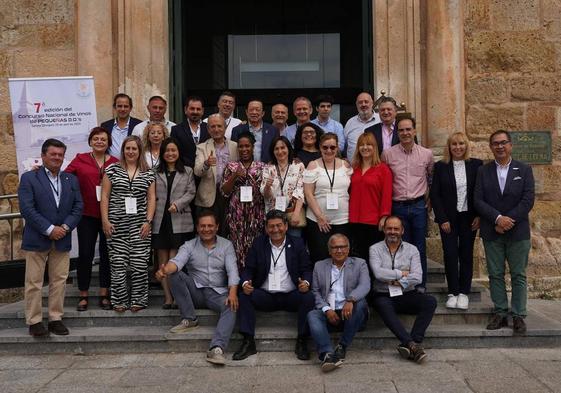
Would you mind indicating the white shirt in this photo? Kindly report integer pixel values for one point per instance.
(502, 173)
(56, 189)
(138, 130)
(231, 122)
(354, 128)
(280, 271)
(461, 185)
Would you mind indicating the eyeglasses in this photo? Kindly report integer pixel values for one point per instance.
(500, 143)
(332, 148)
(339, 248)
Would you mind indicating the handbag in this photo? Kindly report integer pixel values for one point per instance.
(301, 216)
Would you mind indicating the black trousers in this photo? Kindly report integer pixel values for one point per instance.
(458, 250)
(317, 240)
(88, 230)
(362, 237)
(266, 301)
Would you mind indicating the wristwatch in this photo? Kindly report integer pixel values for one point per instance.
(65, 227)
(351, 299)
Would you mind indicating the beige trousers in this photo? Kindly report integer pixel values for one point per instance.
(58, 263)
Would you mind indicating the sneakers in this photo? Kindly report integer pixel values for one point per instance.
(404, 351)
(340, 352)
(215, 355)
(463, 302)
(518, 326)
(452, 301)
(497, 322)
(330, 362)
(412, 351)
(185, 326)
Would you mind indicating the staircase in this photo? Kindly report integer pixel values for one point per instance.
(99, 331)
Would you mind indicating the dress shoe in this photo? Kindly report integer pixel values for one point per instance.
(38, 330)
(497, 322)
(301, 349)
(246, 350)
(58, 328)
(518, 326)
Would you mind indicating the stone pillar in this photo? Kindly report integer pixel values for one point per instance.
(445, 74)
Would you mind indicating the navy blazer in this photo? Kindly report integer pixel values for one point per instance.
(443, 195)
(258, 261)
(108, 125)
(376, 130)
(187, 146)
(515, 202)
(38, 208)
(269, 133)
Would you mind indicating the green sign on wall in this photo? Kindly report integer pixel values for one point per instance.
(533, 147)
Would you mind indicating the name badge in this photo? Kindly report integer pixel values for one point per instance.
(395, 290)
(246, 194)
(130, 205)
(274, 282)
(331, 300)
(280, 203)
(98, 193)
(332, 201)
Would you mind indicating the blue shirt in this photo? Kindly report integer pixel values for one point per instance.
(337, 287)
(335, 127)
(118, 135)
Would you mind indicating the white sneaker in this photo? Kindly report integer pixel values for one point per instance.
(452, 301)
(463, 302)
(216, 356)
(185, 326)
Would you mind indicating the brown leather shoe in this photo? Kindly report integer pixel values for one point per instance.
(58, 328)
(38, 330)
(518, 326)
(497, 322)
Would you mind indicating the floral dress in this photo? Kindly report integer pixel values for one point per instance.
(245, 220)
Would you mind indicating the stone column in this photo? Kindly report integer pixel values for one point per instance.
(445, 74)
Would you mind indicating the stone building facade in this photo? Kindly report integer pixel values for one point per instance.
(473, 65)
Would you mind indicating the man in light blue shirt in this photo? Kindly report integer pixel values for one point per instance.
(340, 286)
(324, 104)
(204, 273)
(302, 108)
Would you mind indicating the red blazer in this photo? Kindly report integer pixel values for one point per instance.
(371, 194)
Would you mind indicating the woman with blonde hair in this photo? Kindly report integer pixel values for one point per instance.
(370, 197)
(152, 138)
(451, 197)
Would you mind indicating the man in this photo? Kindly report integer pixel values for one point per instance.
(279, 114)
(210, 161)
(355, 125)
(302, 109)
(264, 133)
(504, 196)
(340, 286)
(204, 273)
(157, 107)
(226, 105)
(122, 126)
(411, 166)
(277, 276)
(51, 204)
(191, 132)
(385, 132)
(324, 104)
(397, 268)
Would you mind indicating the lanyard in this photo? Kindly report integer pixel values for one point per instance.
(282, 179)
(338, 278)
(131, 179)
(276, 260)
(392, 256)
(53, 186)
(100, 168)
(331, 180)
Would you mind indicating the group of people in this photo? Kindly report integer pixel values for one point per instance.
(314, 218)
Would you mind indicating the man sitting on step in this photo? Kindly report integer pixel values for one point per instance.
(210, 280)
(341, 284)
(397, 270)
(277, 276)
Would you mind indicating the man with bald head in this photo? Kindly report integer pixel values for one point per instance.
(264, 133)
(210, 161)
(279, 114)
(302, 108)
(357, 124)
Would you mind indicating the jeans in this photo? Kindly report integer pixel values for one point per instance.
(414, 217)
(320, 327)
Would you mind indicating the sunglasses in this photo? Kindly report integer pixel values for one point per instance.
(326, 148)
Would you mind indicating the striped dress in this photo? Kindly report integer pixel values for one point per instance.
(126, 249)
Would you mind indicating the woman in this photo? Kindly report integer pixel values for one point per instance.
(306, 142)
(326, 184)
(451, 197)
(173, 223)
(282, 184)
(245, 213)
(89, 169)
(152, 137)
(128, 201)
(370, 197)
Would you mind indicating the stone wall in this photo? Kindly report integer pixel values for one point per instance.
(513, 81)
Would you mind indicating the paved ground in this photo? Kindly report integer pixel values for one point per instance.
(473, 370)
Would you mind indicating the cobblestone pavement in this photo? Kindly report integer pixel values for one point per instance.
(447, 370)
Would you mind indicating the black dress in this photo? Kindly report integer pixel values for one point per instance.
(307, 156)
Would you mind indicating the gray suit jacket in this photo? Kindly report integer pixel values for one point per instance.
(182, 193)
(357, 280)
